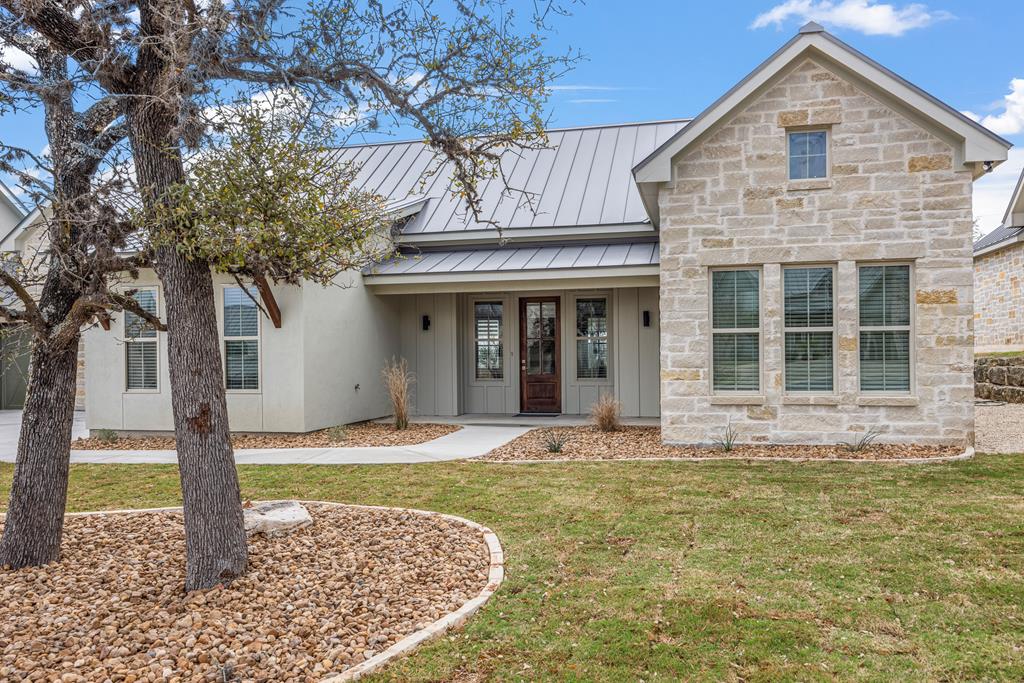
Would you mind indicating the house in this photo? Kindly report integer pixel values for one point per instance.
(14, 340)
(795, 262)
(998, 275)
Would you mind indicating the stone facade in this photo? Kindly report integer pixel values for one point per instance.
(892, 196)
(999, 313)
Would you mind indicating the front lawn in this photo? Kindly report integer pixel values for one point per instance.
(627, 571)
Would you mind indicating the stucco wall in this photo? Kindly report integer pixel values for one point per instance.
(330, 340)
(893, 195)
(998, 300)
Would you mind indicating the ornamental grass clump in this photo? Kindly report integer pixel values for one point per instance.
(397, 381)
(605, 413)
(864, 441)
(554, 440)
(726, 441)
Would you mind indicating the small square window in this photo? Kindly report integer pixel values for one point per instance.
(808, 155)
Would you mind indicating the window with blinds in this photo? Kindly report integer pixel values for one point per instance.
(241, 339)
(884, 327)
(809, 328)
(736, 330)
(592, 338)
(140, 346)
(487, 330)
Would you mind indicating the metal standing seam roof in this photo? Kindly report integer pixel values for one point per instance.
(1000, 234)
(521, 259)
(583, 177)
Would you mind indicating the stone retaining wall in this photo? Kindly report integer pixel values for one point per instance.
(999, 379)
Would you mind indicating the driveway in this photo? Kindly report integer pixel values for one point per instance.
(10, 427)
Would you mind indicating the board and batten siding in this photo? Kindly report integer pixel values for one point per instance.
(442, 357)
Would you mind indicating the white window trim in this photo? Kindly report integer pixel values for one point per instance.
(156, 340)
(832, 329)
(223, 346)
(471, 353)
(827, 178)
(608, 380)
(912, 384)
(739, 330)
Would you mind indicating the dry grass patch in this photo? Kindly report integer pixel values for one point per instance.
(591, 443)
(360, 434)
(315, 601)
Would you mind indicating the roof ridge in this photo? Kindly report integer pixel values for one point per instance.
(626, 124)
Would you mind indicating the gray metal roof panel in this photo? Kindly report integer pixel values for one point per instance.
(1000, 234)
(583, 177)
(506, 259)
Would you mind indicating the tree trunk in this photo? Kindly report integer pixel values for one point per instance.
(35, 513)
(215, 543)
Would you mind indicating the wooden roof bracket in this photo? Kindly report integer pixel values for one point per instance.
(269, 302)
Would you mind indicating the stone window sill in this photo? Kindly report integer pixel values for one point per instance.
(904, 401)
(810, 400)
(815, 184)
(737, 400)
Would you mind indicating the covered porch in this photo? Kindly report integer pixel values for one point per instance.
(528, 331)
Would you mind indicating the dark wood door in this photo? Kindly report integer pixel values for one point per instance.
(540, 356)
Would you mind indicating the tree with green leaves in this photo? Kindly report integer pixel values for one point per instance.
(471, 77)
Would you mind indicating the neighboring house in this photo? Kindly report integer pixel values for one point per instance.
(998, 276)
(796, 262)
(14, 342)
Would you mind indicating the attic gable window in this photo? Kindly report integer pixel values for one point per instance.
(808, 154)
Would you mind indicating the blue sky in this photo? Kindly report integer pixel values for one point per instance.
(661, 59)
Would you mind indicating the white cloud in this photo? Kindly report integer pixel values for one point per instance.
(583, 88)
(867, 16)
(992, 192)
(19, 60)
(1011, 120)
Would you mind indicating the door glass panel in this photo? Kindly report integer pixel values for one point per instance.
(548, 356)
(533, 356)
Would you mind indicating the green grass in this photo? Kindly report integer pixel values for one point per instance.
(1000, 354)
(714, 571)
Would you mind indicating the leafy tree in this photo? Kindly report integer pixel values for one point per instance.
(469, 76)
(58, 291)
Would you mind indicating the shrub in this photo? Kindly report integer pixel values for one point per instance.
(554, 440)
(727, 440)
(397, 380)
(106, 436)
(337, 433)
(862, 442)
(605, 413)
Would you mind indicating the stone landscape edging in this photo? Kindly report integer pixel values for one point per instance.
(966, 455)
(452, 620)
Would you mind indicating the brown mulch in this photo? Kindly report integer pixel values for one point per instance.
(359, 434)
(314, 601)
(587, 443)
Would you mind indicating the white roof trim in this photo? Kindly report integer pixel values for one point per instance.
(7, 242)
(977, 143)
(621, 276)
(1016, 202)
(1002, 244)
(9, 197)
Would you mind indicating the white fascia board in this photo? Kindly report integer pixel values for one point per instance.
(9, 197)
(9, 242)
(512, 235)
(977, 144)
(1015, 209)
(573, 278)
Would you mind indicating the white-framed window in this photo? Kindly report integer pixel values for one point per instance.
(488, 338)
(241, 339)
(736, 330)
(809, 324)
(591, 338)
(141, 345)
(808, 154)
(886, 318)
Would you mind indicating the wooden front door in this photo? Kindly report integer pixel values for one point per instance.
(540, 356)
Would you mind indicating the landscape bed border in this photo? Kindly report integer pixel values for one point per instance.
(968, 454)
(405, 646)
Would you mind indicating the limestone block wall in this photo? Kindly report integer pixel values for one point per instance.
(999, 379)
(893, 195)
(999, 304)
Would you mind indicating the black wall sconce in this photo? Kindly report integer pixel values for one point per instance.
(647, 318)
(426, 323)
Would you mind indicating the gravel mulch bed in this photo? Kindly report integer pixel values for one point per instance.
(999, 428)
(587, 443)
(315, 601)
(360, 434)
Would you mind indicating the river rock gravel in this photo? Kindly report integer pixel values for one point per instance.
(314, 602)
